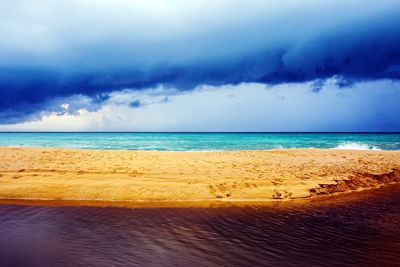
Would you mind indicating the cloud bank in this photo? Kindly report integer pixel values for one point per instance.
(85, 51)
(243, 107)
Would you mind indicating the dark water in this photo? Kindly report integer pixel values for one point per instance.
(361, 229)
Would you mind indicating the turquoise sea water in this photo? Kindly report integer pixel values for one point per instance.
(203, 141)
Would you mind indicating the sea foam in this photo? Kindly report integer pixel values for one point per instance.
(356, 146)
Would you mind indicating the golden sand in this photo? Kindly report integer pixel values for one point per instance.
(187, 177)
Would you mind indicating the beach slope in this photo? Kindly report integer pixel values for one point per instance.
(141, 176)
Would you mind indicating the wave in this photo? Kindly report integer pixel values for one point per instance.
(356, 146)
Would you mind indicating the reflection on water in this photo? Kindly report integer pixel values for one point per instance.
(362, 231)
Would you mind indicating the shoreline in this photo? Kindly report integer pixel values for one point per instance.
(142, 204)
(327, 200)
(180, 179)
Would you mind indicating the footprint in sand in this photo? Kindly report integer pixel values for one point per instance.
(222, 196)
(281, 195)
(211, 189)
(249, 185)
(221, 189)
(277, 194)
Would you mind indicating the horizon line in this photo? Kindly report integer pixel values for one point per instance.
(222, 132)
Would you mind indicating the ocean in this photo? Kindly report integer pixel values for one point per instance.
(203, 141)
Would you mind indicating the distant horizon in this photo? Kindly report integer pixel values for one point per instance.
(244, 132)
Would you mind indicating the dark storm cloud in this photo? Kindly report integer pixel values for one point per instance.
(298, 46)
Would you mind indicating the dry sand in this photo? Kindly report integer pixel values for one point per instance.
(183, 177)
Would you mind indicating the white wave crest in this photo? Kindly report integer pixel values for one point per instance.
(356, 146)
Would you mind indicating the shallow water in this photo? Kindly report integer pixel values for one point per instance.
(203, 141)
(360, 229)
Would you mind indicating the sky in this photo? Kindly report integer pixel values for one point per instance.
(222, 65)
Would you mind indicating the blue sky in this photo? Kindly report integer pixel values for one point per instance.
(218, 65)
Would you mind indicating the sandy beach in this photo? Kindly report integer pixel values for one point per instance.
(182, 177)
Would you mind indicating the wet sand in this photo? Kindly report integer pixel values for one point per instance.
(189, 178)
